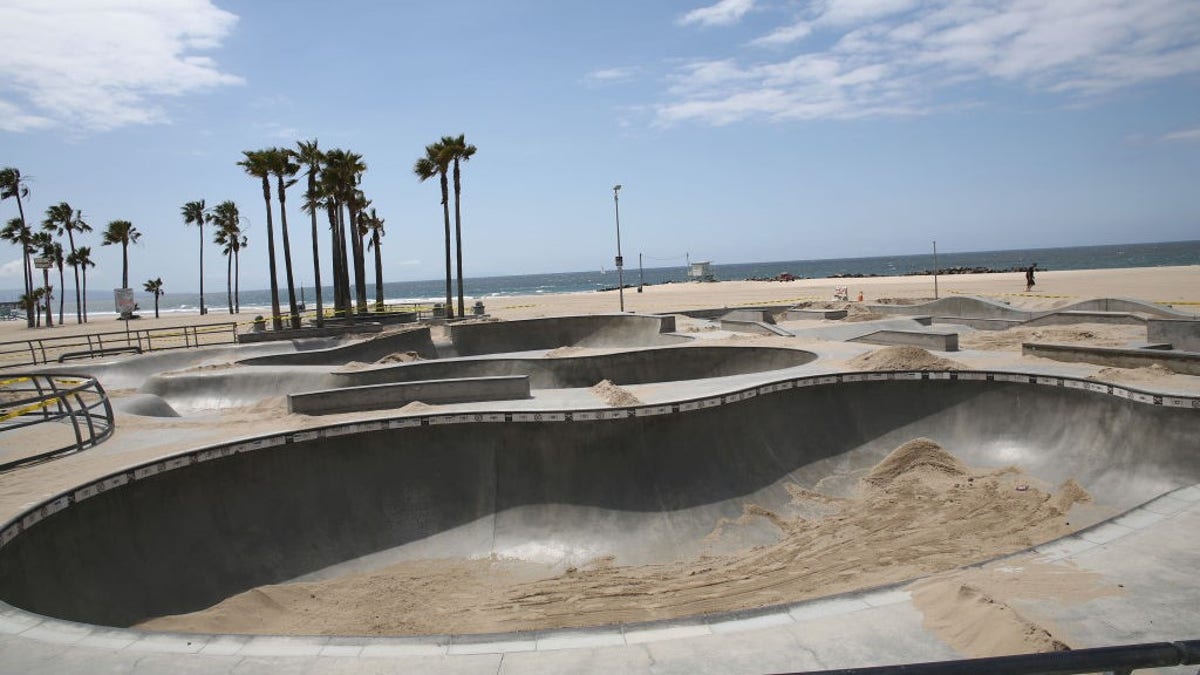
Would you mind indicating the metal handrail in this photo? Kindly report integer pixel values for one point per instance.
(36, 351)
(1119, 659)
(55, 397)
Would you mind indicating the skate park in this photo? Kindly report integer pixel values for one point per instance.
(210, 488)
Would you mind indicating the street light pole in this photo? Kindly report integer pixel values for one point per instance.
(620, 261)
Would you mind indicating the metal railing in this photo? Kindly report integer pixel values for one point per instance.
(35, 351)
(29, 399)
(1119, 660)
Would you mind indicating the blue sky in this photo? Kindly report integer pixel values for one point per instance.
(742, 130)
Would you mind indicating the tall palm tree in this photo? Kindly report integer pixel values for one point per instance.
(193, 214)
(340, 179)
(13, 186)
(460, 151)
(257, 164)
(16, 233)
(155, 287)
(62, 219)
(436, 162)
(371, 222)
(280, 164)
(310, 157)
(43, 243)
(124, 233)
(81, 259)
(227, 220)
(56, 254)
(357, 203)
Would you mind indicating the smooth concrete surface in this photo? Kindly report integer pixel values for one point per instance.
(396, 395)
(662, 364)
(937, 340)
(1078, 316)
(1180, 333)
(802, 314)
(755, 315)
(594, 330)
(370, 350)
(1187, 363)
(564, 489)
(206, 391)
(254, 337)
(756, 327)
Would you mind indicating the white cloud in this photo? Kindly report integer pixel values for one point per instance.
(889, 57)
(13, 269)
(1183, 136)
(724, 13)
(102, 64)
(610, 75)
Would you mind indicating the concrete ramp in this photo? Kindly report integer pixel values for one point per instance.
(599, 330)
(368, 351)
(181, 534)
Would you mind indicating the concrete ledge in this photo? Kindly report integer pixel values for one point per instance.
(939, 341)
(756, 327)
(1187, 363)
(1078, 316)
(759, 315)
(981, 324)
(1181, 333)
(802, 314)
(301, 333)
(397, 394)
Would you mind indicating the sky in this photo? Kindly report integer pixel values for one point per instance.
(741, 130)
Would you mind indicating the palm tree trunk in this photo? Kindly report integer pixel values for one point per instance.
(360, 263)
(203, 310)
(294, 315)
(344, 261)
(276, 320)
(80, 316)
(25, 257)
(125, 264)
(458, 236)
(49, 309)
(378, 270)
(62, 296)
(84, 293)
(331, 212)
(237, 281)
(229, 279)
(312, 188)
(446, 218)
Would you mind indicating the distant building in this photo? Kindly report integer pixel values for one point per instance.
(701, 271)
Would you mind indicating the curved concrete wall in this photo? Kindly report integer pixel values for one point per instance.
(641, 484)
(417, 340)
(649, 365)
(190, 393)
(599, 330)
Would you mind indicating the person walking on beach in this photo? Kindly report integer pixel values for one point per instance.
(1029, 278)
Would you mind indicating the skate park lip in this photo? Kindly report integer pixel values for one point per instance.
(1124, 444)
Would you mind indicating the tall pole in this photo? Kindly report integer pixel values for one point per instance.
(620, 261)
(641, 274)
(935, 271)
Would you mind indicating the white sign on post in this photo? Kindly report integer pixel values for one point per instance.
(43, 263)
(124, 301)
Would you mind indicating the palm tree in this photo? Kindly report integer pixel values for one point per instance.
(34, 301)
(227, 220)
(124, 233)
(310, 156)
(155, 287)
(193, 214)
(436, 162)
(62, 219)
(280, 164)
(257, 164)
(44, 244)
(356, 204)
(56, 253)
(81, 259)
(459, 150)
(18, 234)
(340, 179)
(12, 185)
(371, 222)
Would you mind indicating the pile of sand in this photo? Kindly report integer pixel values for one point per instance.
(902, 358)
(613, 395)
(415, 407)
(920, 511)
(400, 357)
(1090, 334)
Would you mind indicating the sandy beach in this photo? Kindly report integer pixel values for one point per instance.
(1178, 287)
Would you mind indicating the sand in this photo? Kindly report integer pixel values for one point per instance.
(613, 395)
(902, 358)
(919, 511)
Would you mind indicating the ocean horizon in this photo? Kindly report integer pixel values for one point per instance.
(1109, 256)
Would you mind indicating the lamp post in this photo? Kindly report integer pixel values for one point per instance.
(620, 261)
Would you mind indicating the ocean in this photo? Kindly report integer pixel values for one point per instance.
(1069, 258)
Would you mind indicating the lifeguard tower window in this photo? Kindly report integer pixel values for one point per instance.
(700, 271)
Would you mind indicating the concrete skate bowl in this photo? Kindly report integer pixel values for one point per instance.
(630, 487)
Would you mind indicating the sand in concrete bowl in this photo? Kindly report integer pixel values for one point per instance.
(920, 511)
(903, 357)
(613, 395)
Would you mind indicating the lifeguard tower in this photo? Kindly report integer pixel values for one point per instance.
(700, 271)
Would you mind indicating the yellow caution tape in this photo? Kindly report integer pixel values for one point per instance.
(5, 383)
(29, 408)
